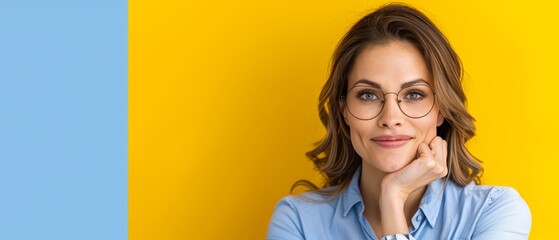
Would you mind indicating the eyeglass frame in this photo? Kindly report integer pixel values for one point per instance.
(397, 102)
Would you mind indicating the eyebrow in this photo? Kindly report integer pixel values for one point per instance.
(404, 85)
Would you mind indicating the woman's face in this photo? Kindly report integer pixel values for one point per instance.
(389, 141)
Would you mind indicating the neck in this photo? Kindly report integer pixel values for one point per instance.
(369, 185)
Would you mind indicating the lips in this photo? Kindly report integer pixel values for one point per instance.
(391, 141)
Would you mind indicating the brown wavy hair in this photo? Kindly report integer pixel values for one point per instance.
(334, 156)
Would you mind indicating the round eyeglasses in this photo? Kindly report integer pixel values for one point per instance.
(366, 102)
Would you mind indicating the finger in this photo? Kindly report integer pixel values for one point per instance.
(423, 150)
(437, 147)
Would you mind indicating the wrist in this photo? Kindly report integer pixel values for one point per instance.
(392, 192)
(390, 199)
(392, 213)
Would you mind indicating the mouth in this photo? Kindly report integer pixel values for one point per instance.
(391, 141)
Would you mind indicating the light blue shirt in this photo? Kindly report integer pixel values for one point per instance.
(446, 211)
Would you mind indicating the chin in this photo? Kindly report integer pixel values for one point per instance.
(391, 164)
(394, 167)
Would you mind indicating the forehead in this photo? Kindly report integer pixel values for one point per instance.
(390, 65)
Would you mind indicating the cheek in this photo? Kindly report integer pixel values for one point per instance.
(428, 128)
(358, 132)
(356, 127)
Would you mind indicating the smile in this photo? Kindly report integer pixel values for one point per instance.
(391, 141)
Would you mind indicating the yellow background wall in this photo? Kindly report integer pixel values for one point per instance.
(222, 105)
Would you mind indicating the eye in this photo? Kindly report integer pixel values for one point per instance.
(415, 95)
(367, 95)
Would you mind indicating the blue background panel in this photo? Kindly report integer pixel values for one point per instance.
(63, 119)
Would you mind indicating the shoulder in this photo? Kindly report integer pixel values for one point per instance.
(485, 195)
(308, 202)
(498, 211)
(505, 213)
(493, 198)
(293, 214)
(286, 221)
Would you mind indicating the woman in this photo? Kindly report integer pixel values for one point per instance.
(394, 157)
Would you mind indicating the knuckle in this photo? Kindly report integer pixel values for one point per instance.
(443, 170)
(439, 169)
(431, 164)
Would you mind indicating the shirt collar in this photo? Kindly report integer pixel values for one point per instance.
(352, 195)
(430, 202)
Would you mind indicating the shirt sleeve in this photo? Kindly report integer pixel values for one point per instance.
(285, 223)
(506, 216)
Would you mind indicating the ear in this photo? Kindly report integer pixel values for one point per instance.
(440, 119)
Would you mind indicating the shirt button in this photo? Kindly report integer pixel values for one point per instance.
(418, 218)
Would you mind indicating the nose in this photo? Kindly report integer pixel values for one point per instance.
(390, 116)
